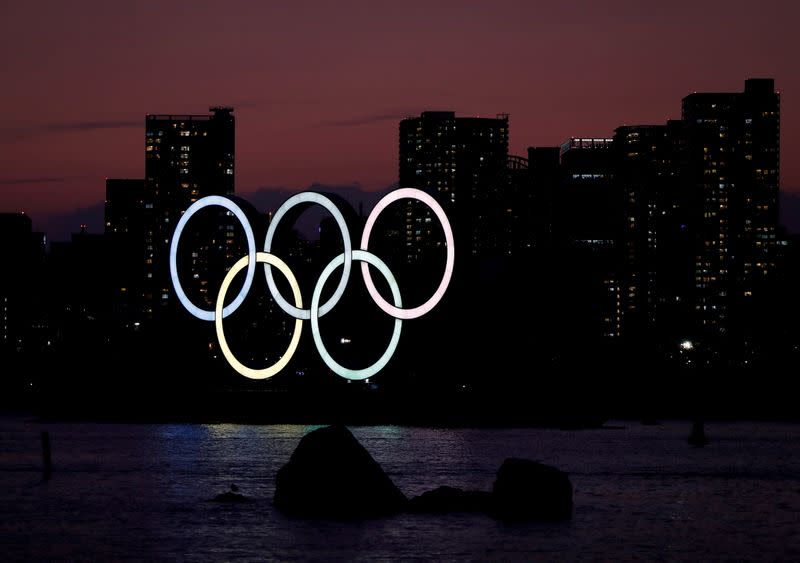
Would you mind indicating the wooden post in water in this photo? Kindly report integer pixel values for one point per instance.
(698, 436)
(47, 462)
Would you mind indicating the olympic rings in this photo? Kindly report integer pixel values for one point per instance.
(316, 310)
(336, 368)
(396, 312)
(209, 201)
(309, 197)
(298, 324)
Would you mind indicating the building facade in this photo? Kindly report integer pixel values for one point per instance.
(656, 273)
(733, 170)
(587, 234)
(701, 240)
(187, 157)
(463, 161)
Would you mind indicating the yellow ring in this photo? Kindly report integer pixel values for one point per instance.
(265, 373)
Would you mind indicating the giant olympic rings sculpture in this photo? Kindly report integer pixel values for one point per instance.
(316, 310)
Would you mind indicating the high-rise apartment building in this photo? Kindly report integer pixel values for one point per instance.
(656, 273)
(701, 244)
(187, 157)
(586, 230)
(463, 161)
(733, 170)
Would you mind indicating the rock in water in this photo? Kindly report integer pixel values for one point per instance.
(331, 475)
(528, 490)
(230, 496)
(443, 500)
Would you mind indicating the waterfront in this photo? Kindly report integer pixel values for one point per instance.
(140, 492)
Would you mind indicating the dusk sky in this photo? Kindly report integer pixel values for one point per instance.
(318, 87)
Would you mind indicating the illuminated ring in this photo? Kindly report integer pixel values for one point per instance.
(309, 197)
(338, 369)
(298, 324)
(209, 201)
(396, 312)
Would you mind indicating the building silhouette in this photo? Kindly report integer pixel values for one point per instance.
(701, 241)
(81, 298)
(463, 161)
(587, 230)
(655, 250)
(575, 228)
(656, 272)
(544, 173)
(124, 234)
(187, 157)
(21, 310)
(733, 166)
(517, 213)
(672, 229)
(124, 207)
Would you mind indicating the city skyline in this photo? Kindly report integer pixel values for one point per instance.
(297, 126)
(456, 280)
(659, 246)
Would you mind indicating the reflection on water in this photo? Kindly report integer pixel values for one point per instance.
(238, 431)
(141, 492)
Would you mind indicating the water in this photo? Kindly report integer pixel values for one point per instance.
(140, 492)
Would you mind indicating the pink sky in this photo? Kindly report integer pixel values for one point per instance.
(319, 86)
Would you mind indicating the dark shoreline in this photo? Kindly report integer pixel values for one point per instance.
(352, 409)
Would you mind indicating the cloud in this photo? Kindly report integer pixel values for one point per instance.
(41, 180)
(21, 133)
(357, 121)
(92, 125)
(267, 103)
